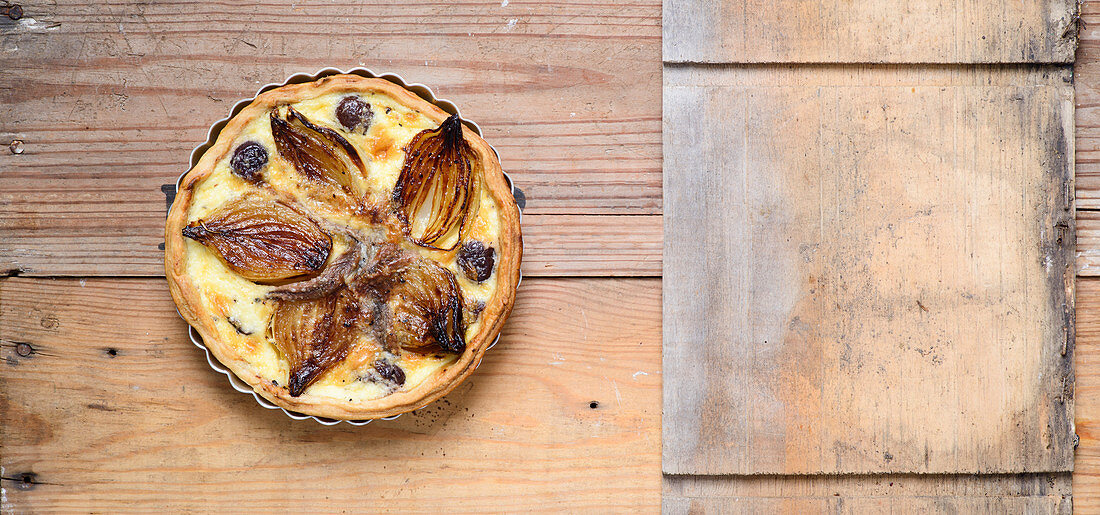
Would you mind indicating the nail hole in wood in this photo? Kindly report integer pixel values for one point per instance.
(112, 352)
(24, 349)
(594, 404)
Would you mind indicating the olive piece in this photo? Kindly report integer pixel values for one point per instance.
(476, 260)
(248, 159)
(354, 113)
(390, 372)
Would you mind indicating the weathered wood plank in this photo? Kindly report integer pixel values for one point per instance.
(1086, 72)
(1086, 475)
(109, 99)
(1017, 493)
(868, 270)
(576, 246)
(869, 31)
(222, 451)
(152, 425)
(60, 244)
(1086, 471)
(1088, 243)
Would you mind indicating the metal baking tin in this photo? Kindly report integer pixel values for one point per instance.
(420, 90)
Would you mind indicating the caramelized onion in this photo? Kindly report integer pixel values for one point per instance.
(423, 304)
(326, 283)
(426, 309)
(263, 240)
(440, 167)
(319, 153)
(404, 300)
(316, 335)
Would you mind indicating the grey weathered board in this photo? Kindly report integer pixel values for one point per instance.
(870, 31)
(857, 494)
(868, 269)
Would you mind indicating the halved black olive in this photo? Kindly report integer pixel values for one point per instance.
(353, 114)
(248, 160)
(476, 260)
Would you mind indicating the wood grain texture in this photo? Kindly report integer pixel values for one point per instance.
(869, 31)
(153, 425)
(1086, 476)
(1017, 493)
(1088, 243)
(884, 281)
(110, 98)
(1086, 72)
(554, 246)
(1086, 471)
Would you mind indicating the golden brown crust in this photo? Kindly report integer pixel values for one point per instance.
(444, 380)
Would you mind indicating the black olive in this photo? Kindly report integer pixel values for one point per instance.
(476, 260)
(390, 372)
(248, 160)
(354, 113)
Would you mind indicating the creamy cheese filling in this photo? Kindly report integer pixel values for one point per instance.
(241, 312)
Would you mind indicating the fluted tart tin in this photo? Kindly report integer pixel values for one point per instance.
(420, 90)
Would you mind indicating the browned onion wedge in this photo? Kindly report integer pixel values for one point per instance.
(423, 304)
(440, 167)
(319, 153)
(263, 240)
(325, 283)
(316, 335)
(426, 309)
(404, 300)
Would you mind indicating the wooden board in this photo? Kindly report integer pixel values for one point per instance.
(153, 425)
(1086, 473)
(553, 245)
(1086, 73)
(869, 31)
(110, 98)
(97, 82)
(1088, 243)
(868, 269)
(1018, 493)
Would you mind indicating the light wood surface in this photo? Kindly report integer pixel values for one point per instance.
(195, 432)
(153, 425)
(1086, 73)
(869, 31)
(174, 438)
(1086, 472)
(110, 98)
(857, 494)
(858, 260)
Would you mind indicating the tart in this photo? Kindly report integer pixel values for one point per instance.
(346, 248)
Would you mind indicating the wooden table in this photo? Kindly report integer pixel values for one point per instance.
(105, 404)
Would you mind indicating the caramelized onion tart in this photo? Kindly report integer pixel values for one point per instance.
(346, 248)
